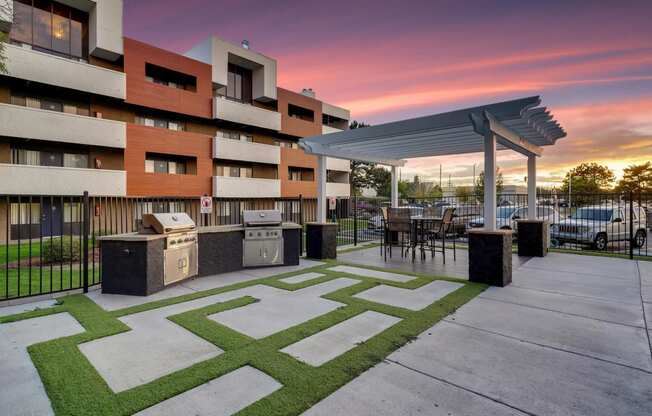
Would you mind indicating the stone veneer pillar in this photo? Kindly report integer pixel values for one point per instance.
(490, 257)
(321, 240)
(533, 238)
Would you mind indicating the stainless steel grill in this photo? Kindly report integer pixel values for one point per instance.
(263, 240)
(180, 254)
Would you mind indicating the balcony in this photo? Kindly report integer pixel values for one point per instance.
(246, 151)
(25, 63)
(227, 187)
(34, 123)
(237, 112)
(342, 165)
(338, 189)
(52, 180)
(328, 129)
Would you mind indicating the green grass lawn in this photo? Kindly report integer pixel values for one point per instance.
(10, 252)
(75, 388)
(40, 280)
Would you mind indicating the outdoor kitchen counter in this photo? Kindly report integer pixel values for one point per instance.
(132, 263)
(220, 247)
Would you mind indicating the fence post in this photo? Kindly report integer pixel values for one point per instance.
(631, 225)
(355, 220)
(301, 224)
(85, 231)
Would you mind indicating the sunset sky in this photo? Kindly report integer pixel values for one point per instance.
(591, 61)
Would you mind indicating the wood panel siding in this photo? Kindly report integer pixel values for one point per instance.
(143, 139)
(295, 126)
(146, 93)
(296, 158)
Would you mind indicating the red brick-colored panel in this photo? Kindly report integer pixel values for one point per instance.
(142, 140)
(295, 126)
(142, 92)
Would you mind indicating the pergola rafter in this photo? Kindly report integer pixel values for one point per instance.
(520, 125)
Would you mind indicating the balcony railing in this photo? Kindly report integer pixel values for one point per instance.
(342, 165)
(228, 187)
(54, 180)
(225, 109)
(25, 63)
(328, 129)
(246, 151)
(34, 123)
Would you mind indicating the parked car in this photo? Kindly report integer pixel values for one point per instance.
(506, 216)
(597, 225)
(376, 222)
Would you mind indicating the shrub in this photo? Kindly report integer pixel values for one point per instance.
(61, 249)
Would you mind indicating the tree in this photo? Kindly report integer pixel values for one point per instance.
(462, 194)
(478, 188)
(380, 180)
(360, 178)
(636, 179)
(588, 178)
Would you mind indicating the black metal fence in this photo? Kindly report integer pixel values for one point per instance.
(50, 244)
(606, 223)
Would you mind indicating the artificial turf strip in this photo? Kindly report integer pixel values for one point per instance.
(75, 388)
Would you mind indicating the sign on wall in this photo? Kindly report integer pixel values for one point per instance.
(206, 204)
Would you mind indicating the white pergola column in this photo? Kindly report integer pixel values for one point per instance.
(489, 180)
(321, 189)
(394, 188)
(532, 186)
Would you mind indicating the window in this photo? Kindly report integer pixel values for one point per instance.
(164, 76)
(72, 212)
(25, 213)
(75, 160)
(233, 135)
(301, 113)
(300, 174)
(50, 27)
(165, 164)
(332, 121)
(238, 85)
(160, 123)
(234, 171)
(286, 144)
(25, 157)
(20, 156)
(34, 100)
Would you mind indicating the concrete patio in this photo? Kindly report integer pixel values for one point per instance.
(569, 336)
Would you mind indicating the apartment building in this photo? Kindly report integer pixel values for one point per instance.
(84, 108)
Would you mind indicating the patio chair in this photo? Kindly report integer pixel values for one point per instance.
(440, 231)
(398, 224)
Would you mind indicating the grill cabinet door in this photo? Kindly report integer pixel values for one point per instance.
(262, 252)
(180, 263)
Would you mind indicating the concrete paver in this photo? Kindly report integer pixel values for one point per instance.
(340, 338)
(114, 302)
(394, 277)
(413, 299)
(22, 391)
(606, 310)
(539, 380)
(223, 396)
(568, 283)
(281, 309)
(27, 307)
(592, 265)
(300, 278)
(154, 347)
(389, 389)
(617, 343)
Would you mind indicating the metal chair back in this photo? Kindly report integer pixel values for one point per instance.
(398, 220)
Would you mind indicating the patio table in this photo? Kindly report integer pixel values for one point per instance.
(419, 226)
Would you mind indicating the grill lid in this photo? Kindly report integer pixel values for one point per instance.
(261, 217)
(166, 223)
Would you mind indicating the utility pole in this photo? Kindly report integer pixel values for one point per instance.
(570, 190)
(440, 176)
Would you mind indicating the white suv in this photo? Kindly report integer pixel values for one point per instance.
(598, 225)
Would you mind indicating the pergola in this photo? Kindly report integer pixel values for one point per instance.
(520, 125)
